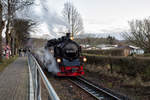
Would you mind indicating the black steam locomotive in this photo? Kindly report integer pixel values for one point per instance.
(68, 55)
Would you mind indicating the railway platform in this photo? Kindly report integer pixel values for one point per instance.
(14, 81)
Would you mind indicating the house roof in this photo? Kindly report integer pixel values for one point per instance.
(134, 47)
(128, 47)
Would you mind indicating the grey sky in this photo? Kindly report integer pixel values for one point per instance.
(107, 15)
(99, 16)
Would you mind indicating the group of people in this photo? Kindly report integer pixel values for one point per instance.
(22, 52)
(6, 52)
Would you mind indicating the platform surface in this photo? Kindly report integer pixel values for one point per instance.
(14, 81)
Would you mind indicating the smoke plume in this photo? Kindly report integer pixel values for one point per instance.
(43, 13)
(48, 60)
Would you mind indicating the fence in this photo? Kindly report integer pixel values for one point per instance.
(36, 77)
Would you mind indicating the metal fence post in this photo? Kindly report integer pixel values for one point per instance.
(35, 81)
(38, 86)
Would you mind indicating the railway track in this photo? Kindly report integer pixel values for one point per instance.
(97, 92)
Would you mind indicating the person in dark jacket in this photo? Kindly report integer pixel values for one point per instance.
(19, 51)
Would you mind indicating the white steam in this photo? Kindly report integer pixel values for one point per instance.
(48, 60)
(43, 12)
(51, 17)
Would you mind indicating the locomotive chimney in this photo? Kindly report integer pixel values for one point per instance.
(68, 35)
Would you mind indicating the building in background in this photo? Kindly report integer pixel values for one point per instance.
(116, 50)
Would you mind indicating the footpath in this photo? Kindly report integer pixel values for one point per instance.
(14, 81)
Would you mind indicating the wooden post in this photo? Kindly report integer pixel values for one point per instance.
(110, 63)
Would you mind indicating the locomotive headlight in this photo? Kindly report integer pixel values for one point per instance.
(71, 38)
(58, 60)
(85, 59)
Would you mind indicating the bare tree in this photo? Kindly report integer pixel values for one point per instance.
(12, 6)
(1, 29)
(111, 40)
(20, 33)
(22, 28)
(73, 18)
(8, 9)
(139, 34)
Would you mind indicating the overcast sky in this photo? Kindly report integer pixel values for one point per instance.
(99, 16)
(107, 15)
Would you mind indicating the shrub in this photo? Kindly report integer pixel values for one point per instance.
(131, 66)
(144, 55)
(6, 62)
(112, 52)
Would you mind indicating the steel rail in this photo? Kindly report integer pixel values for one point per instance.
(95, 91)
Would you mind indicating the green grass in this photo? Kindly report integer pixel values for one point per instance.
(6, 62)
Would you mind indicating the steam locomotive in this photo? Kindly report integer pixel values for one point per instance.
(67, 54)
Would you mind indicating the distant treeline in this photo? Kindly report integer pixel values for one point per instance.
(95, 41)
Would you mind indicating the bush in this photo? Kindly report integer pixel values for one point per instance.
(6, 62)
(144, 55)
(131, 66)
(112, 52)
